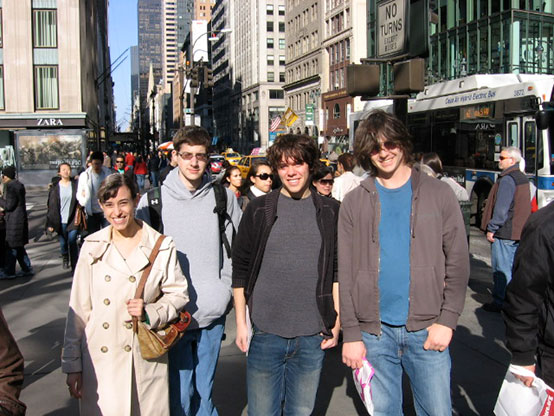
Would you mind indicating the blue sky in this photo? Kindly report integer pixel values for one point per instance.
(122, 26)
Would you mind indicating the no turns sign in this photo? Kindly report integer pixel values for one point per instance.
(391, 27)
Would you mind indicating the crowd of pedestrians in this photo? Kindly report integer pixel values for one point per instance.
(301, 252)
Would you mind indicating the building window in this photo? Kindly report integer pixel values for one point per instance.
(271, 76)
(282, 27)
(336, 111)
(269, 9)
(270, 60)
(270, 26)
(44, 29)
(46, 87)
(281, 77)
(2, 107)
(282, 60)
(281, 10)
(276, 94)
(270, 43)
(282, 43)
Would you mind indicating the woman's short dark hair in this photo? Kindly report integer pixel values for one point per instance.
(228, 172)
(433, 161)
(110, 186)
(347, 161)
(298, 147)
(322, 172)
(380, 123)
(192, 136)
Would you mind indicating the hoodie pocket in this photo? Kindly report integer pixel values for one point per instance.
(426, 295)
(364, 294)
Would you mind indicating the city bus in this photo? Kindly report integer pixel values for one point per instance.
(467, 121)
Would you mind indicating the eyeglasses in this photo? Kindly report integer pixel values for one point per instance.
(387, 146)
(504, 157)
(327, 181)
(264, 176)
(119, 161)
(201, 157)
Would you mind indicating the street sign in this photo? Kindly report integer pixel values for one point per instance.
(309, 115)
(391, 28)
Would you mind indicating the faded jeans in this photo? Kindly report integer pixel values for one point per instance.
(283, 374)
(502, 260)
(397, 350)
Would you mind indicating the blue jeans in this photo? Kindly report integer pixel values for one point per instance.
(428, 371)
(502, 259)
(154, 175)
(283, 370)
(140, 181)
(192, 365)
(18, 254)
(68, 244)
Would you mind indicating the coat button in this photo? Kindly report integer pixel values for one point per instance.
(127, 348)
(132, 279)
(104, 349)
(129, 325)
(106, 301)
(107, 278)
(106, 325)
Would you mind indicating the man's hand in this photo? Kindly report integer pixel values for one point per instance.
(528, 381)
(331, 342)
(490, 237)
(438, 338)
(242, 337)
(353, 354)
(51, 229)
(74, 382)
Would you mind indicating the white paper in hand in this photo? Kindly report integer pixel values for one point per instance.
(362, 380)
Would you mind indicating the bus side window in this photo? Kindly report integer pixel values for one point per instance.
(513, 134)
(530, 150)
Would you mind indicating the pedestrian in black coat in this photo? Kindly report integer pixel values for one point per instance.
(17, 226)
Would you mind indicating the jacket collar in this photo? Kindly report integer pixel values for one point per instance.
(510, 169)
(139, 260)
(369, 183)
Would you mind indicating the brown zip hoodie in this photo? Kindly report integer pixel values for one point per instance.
(439, 258)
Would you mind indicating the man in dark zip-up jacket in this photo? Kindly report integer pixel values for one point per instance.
(508, 207)
(284, 267)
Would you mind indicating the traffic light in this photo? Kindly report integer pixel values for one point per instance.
(362, 80)
(194, 77)
(208, 77)
(409, 76)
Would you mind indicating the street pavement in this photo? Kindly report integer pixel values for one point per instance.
(35, 308)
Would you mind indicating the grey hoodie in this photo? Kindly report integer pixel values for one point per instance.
(190, 220)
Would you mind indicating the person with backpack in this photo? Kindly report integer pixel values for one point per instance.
(201, 217)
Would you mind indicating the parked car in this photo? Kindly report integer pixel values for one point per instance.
(216, 163)
(246, 162)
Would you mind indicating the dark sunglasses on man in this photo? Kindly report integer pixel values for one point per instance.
(264, 176)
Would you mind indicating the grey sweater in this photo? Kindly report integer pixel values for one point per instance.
(190, 220)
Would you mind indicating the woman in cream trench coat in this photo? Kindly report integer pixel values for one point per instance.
(99, 339)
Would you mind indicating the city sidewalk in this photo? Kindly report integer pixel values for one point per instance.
(36, 307)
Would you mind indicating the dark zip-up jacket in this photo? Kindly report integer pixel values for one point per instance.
(252, 236)
(439, 258)
(53, 215)
(528, 309)
(508, 208)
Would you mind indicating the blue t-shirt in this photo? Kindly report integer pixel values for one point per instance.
(394, 262)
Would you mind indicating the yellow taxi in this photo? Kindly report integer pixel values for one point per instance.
(247, 161)
(231, 156)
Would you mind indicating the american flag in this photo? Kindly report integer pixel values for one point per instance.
(275, 123)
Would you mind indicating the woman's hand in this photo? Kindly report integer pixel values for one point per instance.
(242, 337)
(51, 229)
(74, 382)
(135, 307)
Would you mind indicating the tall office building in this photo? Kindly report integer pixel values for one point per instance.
(55, 83)
(305, 76)
(203, 9)
(185, 15)
(135, 71)
(149, 44)
(259, 42)
(170, 47)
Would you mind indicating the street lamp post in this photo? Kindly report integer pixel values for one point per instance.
(195, 68)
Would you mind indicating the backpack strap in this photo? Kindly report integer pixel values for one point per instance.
(221, 211)
(155, 209)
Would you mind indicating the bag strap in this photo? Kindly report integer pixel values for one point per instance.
(146, 272)
(221, 211)
(154, 197)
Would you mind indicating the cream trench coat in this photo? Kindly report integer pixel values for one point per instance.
(99, 339)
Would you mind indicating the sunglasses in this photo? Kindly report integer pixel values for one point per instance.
(504, 157)
(201, 157)
(387, 146)
(264, 176)
(326, 181)
(119, 161)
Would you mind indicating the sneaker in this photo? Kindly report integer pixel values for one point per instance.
(25, 273)
(66, 262)
(492, 307)
(5, 276)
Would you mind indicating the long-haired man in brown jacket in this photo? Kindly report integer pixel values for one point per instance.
(403, 270)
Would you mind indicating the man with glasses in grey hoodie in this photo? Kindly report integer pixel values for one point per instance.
(187, 215)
